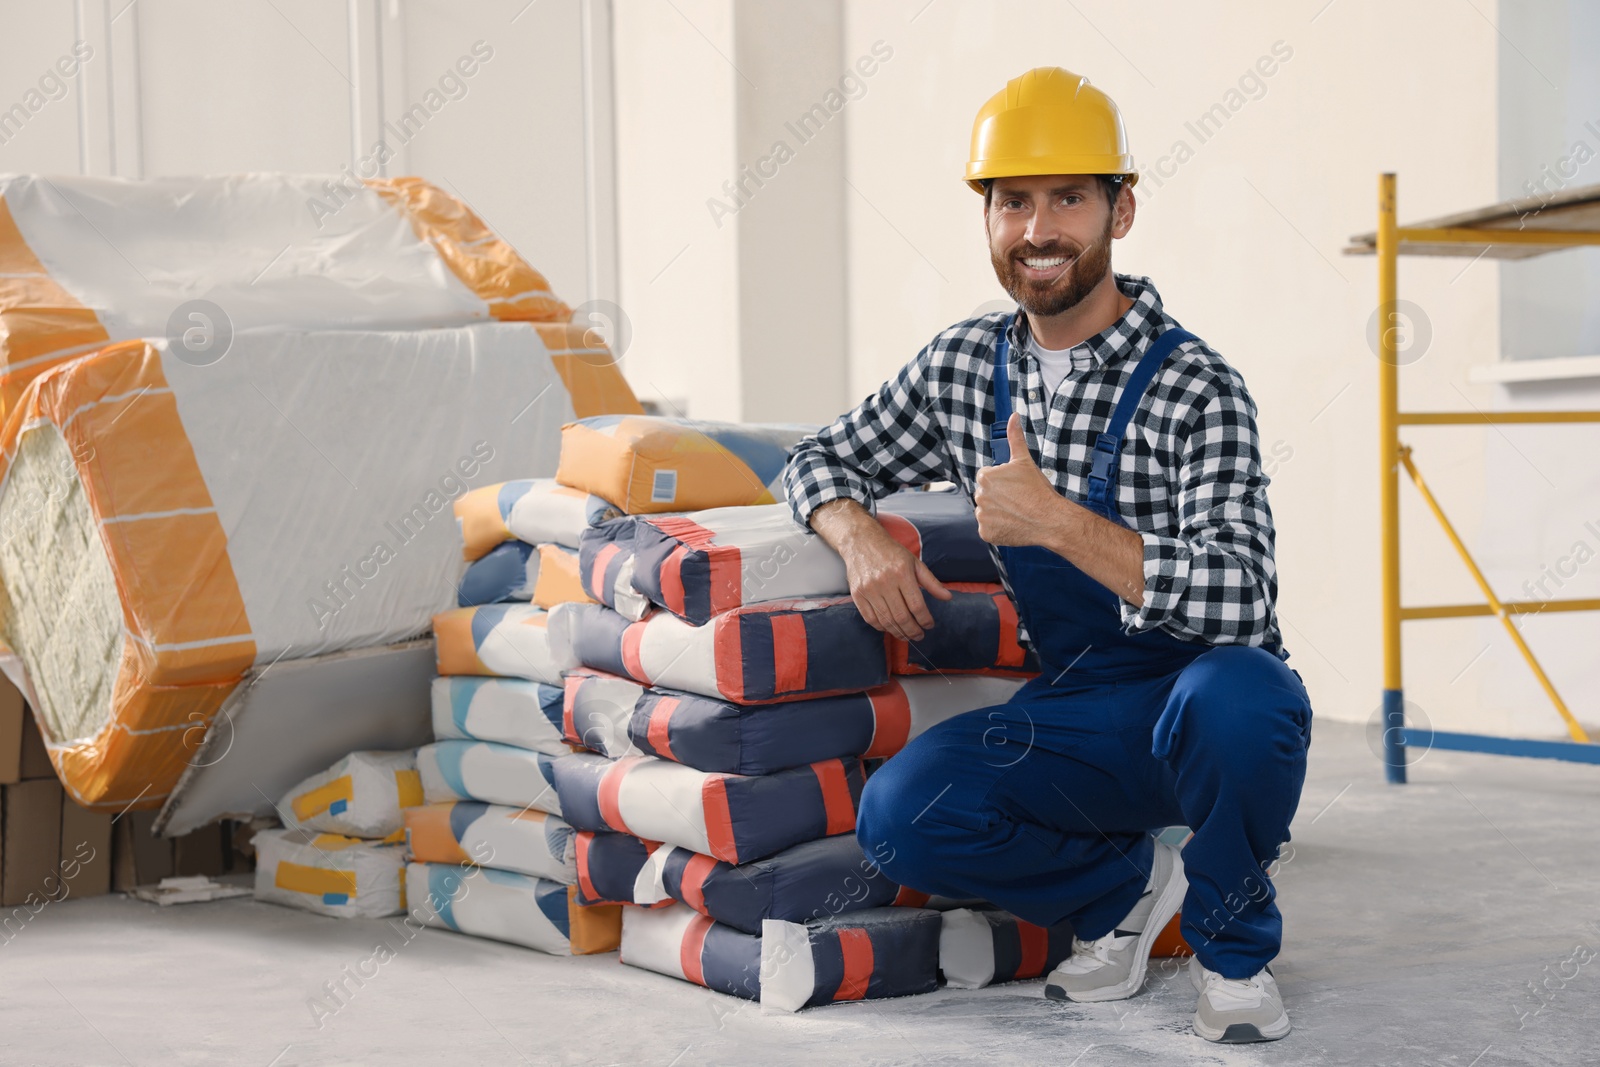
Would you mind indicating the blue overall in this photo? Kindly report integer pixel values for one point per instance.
(1042, 805)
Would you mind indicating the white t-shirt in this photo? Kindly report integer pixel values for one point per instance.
(1054, 364)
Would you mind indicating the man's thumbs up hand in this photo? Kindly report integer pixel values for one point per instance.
(1019, 442)
(1016, 503)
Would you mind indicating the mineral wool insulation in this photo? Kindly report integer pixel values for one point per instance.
(167, 523)
(167, 526)
(58, 595)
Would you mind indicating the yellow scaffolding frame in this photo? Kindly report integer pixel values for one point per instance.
(1572, 219)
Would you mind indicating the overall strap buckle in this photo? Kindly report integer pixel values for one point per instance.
(1104, 459)
(1103, 469)
(999, 444)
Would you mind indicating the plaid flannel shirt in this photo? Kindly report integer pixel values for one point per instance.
(1190, 482)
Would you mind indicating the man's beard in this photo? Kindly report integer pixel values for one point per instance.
(1087, 270)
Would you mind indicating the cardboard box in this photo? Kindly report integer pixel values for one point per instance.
(13, 713)
(30, 840)
(242, 854)
(85, 850)
(22, 752)
(201, 852)
(35, 757)
(138, 857)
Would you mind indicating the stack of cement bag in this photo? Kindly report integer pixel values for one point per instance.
(317, 391)
(340, 852)
(497, 870)
(491, 855)
(726, 697)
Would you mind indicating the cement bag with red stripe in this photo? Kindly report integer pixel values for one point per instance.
(866, 955)
(681, 943)
(785, 650)
(359, 796)
(330, 874)
(609, 866)
(974, 631)
(512, 711)
(505, 640)
(707, 562)
(941, 529)
(505, 906)
(986, 946)
(810, 880)
(728, 816)
(531, 510)
(646, 464)
(508, 571)
(606, 567)
(494, 774)
(493, 835)
(717, 735)
(596, 711)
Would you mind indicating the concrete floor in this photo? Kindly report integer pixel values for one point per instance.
(1418, 921)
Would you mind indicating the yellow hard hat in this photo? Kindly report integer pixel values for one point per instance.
(1049, 121)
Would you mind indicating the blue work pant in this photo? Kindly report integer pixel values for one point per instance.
(1042, 806)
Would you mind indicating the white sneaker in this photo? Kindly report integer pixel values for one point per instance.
(1237, 1010)
(1113, 967)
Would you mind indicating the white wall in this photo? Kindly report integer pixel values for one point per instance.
(219, 86)
(226, 87)
(45, 136)
(792, 227)
(1243, 240)
(1541, 530)
(732, 211)
(676, 145)
(1549, 90)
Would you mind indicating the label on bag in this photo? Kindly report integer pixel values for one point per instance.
(664, 489)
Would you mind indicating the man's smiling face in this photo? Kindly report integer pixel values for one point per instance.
(1050, 237)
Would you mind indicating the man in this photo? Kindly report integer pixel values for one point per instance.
(1114, 465)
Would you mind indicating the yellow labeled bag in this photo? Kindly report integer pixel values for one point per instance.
(344, 877)
(361, 796)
